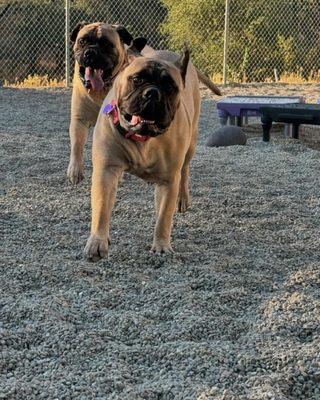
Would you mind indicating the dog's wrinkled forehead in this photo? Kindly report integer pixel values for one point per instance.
(94, 32)
(153, 70)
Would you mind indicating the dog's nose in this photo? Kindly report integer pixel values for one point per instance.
(89, 55)
(151, 94)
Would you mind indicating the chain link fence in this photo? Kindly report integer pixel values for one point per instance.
(257, 40)
(273, 38)
(34, 31)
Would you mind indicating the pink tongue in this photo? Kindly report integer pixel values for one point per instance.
(135, 120)
(95, 77)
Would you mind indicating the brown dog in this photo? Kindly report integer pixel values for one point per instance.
(101, 51)
(147, 126)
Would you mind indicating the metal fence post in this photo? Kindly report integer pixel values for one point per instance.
(226, 42)
(67, 44)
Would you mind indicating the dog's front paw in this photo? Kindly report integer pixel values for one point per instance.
(75, 172)
(96, 248)
(161, 247)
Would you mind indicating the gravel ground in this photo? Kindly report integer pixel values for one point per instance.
(233, 314)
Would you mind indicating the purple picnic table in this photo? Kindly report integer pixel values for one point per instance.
(239, 107)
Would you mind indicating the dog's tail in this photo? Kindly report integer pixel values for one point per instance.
(207, 82)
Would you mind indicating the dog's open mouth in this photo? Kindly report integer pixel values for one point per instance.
(136, 122)
(93, 79)
(141, 125)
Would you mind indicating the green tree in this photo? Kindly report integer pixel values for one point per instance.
(200, 24)
(263, 35)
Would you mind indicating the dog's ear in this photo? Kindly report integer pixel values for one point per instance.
(183, 62)
(125, 36)
(76, 30)
(134, 50)
(138, 44)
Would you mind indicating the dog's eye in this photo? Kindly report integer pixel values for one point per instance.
(169, 88)
(137, 80)
(167, 85)
(81, 42)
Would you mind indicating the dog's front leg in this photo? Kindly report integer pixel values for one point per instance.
(103, 193)
(78, 138)
(166, 196)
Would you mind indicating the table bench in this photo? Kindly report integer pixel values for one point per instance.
(235, 108)
(295, 114)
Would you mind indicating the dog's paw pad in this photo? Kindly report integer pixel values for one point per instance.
(96, 249)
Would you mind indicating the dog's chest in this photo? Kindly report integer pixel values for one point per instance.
(149, 166)
(157, 160)
(148, 172)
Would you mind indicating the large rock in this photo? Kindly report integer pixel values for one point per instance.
(227, 136)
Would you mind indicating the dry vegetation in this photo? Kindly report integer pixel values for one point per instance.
(35, 81)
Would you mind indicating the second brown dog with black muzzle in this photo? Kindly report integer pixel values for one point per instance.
(100, 52)
(147, 126)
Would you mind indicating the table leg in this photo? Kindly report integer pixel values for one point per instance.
(239, 121)
(295, 131)
(266, 127)
(287, 130)
(231, 120)
(223, 121)
(223, 117)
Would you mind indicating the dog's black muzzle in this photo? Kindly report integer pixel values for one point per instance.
(149, 103)
(151, 93)
(90, 57)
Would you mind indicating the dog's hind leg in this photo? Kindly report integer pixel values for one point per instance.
(184, 198)
(166, 197)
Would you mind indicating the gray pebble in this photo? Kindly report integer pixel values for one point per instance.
(224, 318)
